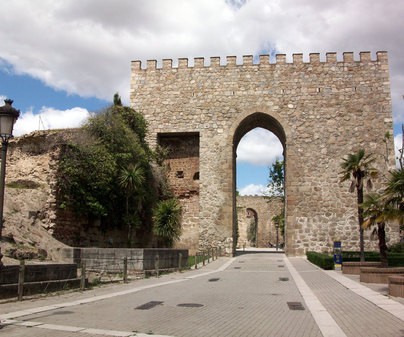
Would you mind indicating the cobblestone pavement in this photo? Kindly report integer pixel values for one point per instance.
(262, 294)
(355, 315)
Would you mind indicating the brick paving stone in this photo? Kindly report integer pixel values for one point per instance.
(355, 315)
(245, 298)
(248, 301)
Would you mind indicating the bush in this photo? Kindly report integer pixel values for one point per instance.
(324, 261)
(394, 259)
(397, 248)
(167, 221)
(353, 256)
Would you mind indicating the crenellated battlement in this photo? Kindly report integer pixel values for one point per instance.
(320, 106)
(262, 60)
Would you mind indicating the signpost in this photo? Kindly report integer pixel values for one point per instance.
(337, 255)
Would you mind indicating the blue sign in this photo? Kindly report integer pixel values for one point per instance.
(337, 255)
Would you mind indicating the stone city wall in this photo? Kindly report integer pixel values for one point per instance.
(259, 210)
(31, 212)
(321, 110)
(182, 169)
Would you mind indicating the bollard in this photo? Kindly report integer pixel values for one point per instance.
(156, 264)
(83, 275)
(179, 262)
(21, 276)
(203, 257)
(196, 260)
(125, 270)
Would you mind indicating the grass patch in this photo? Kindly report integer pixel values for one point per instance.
(23, 184)
(192, 260)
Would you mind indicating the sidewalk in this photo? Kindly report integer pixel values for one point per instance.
(254, 294)
(357, 309)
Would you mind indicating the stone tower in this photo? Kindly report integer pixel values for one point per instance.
(320, 110)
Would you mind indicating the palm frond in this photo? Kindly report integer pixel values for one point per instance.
(167, 221)
(356, 166)
(131, 178)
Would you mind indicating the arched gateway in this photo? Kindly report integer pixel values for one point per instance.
(320, 111)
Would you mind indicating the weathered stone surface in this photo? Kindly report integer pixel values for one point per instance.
(320, 111)
(258, 210)
(34, 224)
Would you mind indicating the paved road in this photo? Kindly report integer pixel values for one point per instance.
(261, 294)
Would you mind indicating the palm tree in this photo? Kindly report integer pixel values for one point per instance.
(131, 179)
(357, 168)
(167, 221)
(376, 213)
(394, 195)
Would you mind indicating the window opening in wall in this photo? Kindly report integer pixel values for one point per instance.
(196, 176)
(179, 164)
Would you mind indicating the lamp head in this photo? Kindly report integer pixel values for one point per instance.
(8, 116)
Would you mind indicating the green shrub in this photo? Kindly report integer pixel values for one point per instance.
(353, 256)
(167, 221)
(394, 258)
(397, 248)
(324, 261)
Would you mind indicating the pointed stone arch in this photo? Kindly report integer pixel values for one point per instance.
(250, 121)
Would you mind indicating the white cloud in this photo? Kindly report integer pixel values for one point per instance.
(254, 189)
(85, 47)
(49, 118)
(259, 147)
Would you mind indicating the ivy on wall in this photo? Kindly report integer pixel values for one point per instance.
(91, 172)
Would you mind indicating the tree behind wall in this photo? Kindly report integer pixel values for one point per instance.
(276, 184)
(276, 181)
(88, 178)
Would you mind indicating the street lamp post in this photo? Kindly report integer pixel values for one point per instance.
(277, 234)
(8, 116)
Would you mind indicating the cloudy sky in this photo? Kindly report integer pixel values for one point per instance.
(60, 60)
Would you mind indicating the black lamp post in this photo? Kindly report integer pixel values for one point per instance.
(8, 116)
(277, 234)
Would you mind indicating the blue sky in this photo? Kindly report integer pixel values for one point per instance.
(29, 93)
(63, 60)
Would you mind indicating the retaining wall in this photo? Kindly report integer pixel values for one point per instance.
(111, 259)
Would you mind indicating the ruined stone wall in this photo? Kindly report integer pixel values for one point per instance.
(264, 209)
(182, 169)
(321, 110)
(32, 216)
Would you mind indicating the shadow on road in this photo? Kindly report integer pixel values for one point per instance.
(258, 251)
